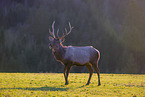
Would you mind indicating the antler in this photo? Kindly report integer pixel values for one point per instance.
(52, 33)
(57, 34)
(66, 31)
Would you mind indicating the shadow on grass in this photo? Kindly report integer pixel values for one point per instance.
(47, 88)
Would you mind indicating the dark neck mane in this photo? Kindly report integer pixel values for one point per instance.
(60, 53)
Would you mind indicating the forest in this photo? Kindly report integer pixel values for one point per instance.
(115, 27)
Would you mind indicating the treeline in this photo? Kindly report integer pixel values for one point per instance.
(114, 27)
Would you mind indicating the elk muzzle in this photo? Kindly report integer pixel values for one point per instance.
(50, 47)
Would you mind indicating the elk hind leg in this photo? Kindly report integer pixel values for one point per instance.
(98, 72)
(91, 72)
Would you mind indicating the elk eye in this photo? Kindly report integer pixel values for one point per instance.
(50, 45)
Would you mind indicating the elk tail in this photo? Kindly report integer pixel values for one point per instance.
(98, 57)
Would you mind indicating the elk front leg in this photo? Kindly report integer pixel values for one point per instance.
(65, 69)
(66, 73)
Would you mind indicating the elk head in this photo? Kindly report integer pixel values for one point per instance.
(56, 42)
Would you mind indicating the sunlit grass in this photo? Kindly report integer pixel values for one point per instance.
(52, 84)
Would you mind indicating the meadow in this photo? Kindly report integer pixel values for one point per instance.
(52, 85)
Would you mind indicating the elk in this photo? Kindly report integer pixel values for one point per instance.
(74, 56)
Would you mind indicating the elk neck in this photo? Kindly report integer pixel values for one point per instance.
(60, 53)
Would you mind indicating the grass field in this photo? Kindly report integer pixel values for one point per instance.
(52, 84)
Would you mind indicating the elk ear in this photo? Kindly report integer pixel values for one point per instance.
(62, 40)
(51, 38)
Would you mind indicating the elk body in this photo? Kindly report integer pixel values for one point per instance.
(74, 56)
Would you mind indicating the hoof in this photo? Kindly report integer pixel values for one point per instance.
(87, 83)
(66, 83)
(99, 84)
